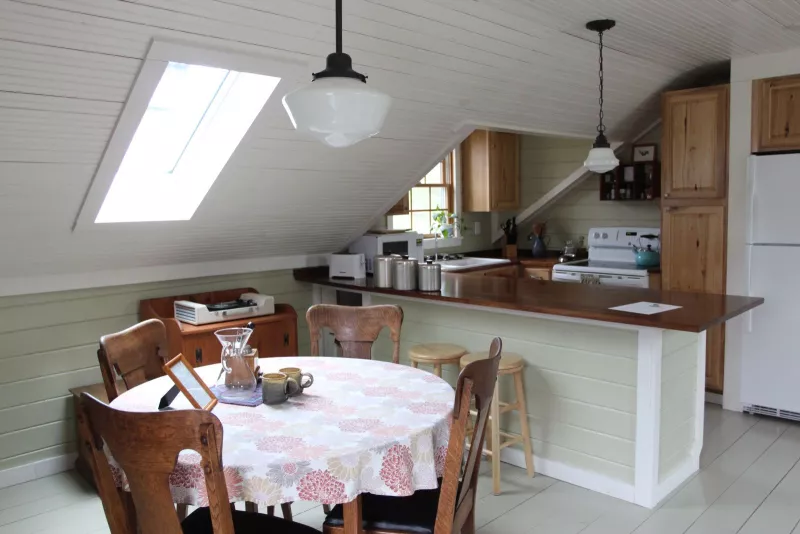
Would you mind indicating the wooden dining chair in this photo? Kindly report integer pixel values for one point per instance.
(135, 355)
(146, 447)
(355, 327)
(450, 509)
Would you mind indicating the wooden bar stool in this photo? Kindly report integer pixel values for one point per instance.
(436, 354)
(510, 364)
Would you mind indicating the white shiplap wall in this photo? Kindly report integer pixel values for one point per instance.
(48, 344)
(678, 393)
(66, 67)
(580, 379)
(545, 161)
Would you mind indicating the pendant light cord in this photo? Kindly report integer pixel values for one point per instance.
(600, 127)
(339, 27)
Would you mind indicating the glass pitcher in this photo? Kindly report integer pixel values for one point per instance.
(238, 380)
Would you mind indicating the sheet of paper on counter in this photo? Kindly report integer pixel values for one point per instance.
(645, 308)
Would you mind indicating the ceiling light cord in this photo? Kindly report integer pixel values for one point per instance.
(338, 26)
(600, 127)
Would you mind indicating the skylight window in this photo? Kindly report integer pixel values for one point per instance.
(196, 118)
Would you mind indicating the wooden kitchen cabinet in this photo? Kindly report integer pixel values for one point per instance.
(506, 271)
(537, 273)
(693, 248)
(403, 206)
(490, 171)
(694, 147)
(776, 114)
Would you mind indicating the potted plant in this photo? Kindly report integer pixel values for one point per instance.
(446, 224)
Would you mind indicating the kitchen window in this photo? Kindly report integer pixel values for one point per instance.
(434, 193)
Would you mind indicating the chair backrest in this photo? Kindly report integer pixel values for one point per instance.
(146, 447)
(137, 354)
(355, 327)
(457, 498)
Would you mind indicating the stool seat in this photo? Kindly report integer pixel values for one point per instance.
(509, 361)
(436, 352)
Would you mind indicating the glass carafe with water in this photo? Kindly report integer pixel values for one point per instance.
(238, 380)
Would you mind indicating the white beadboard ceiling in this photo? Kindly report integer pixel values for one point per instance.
(66, 67)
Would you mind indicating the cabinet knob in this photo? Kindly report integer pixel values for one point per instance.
(285, 340)
(198, 355)
(666, 195)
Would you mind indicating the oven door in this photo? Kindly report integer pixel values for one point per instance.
(618, 280)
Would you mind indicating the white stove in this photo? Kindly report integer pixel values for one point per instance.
(612, 259)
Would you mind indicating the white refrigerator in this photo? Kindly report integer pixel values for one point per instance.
(771, 342)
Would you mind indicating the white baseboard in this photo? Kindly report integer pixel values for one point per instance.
(678, 477)
(572, 475)
(714, 398)
(34, 470)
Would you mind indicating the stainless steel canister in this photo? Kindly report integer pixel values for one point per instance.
(429, 276)
(382, 267)
(404, 274)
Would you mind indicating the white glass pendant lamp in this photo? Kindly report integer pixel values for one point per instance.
(338, 107)
(601, 157)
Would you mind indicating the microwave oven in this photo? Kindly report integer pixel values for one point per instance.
(404, 243)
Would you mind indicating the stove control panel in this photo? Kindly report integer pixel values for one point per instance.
(622, 237)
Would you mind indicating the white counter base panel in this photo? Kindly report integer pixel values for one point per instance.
(662, 389)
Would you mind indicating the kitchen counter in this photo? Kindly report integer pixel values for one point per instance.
(698, 311)
(616, 400)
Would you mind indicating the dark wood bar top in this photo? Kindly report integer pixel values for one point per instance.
(698, 311)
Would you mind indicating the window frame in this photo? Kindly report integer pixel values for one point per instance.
(291, 71)
(448, 182)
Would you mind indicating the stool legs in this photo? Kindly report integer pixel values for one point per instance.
(522, 409)
(414, 364)
(495, 430)
(437, 370)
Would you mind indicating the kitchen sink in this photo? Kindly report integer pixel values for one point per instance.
(469, 263)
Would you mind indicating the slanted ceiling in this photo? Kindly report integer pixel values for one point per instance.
(66, 67)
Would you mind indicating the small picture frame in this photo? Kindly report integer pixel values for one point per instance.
(644, 153)
(190, 383)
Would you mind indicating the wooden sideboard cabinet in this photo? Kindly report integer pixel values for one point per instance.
(274, 335)
(776, 114)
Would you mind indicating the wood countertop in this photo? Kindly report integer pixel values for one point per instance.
(698, 311)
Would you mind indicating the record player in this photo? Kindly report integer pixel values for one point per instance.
(247, 305)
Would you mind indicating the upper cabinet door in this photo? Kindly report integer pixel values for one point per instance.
(504, 170)
(490, 171)
(776, 114)
(695, 143)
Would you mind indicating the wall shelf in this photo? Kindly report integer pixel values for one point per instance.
(639, 182)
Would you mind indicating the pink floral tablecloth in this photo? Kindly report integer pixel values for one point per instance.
(364, 426)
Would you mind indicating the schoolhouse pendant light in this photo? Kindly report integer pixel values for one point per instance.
(338, 107)
(601, 158)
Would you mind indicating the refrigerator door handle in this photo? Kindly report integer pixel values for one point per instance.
(749, 263)
(750, 206)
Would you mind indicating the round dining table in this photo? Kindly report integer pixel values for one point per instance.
(363, 426)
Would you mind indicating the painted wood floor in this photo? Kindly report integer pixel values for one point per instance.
(749, 483)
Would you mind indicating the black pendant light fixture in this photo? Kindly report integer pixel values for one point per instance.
(601, 158)
(338, 107)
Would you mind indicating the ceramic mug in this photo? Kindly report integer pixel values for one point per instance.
(277, 387)
(297, 374)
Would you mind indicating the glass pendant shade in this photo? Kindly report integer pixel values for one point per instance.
(601, 160)
(339, 111)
